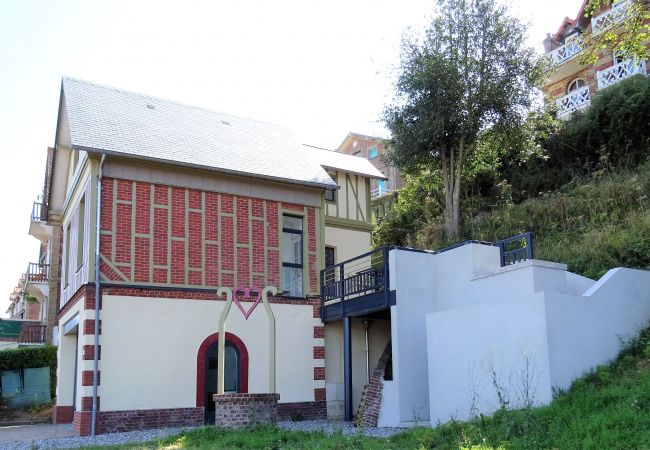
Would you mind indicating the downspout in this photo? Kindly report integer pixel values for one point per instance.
(97, 295)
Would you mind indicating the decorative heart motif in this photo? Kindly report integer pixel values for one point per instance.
(253, 293)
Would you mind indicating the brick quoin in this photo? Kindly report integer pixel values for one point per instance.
(319, 352)
(319, 373)
(89, 352)
(89, 326)
(243, 242)
(319, 394)
(62, 414)
(319, 332)
(87, 377)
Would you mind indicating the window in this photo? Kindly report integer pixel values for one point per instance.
(576, 84)
(372, 153)
(329, 256)
(292, 249)
(381, 187)
(330, 195)
(330, 275)
(81, 212)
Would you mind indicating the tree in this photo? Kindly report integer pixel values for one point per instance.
(629, 36)
(469, 72)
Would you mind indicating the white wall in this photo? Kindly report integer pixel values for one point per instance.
(411, 275)
(461, 322)
(150, 345)
(471, 348)
(585, 331)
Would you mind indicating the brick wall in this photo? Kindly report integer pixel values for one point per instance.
(159, 235)
(302, 411)
(242, 410)
(119, 421)
(368, 413)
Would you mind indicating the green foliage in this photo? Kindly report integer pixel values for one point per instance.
(609, 408)
(31, 358)
(612, 133)
(469, 72)
(629, 37)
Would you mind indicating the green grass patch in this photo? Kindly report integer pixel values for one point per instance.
(607, 409)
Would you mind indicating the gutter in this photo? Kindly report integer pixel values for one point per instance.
(97, 297)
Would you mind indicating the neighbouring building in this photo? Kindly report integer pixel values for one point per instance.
(197, 216)
(572, 85)
(374, 150)
(27, 316)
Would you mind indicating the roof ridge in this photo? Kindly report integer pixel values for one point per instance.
(166, 100)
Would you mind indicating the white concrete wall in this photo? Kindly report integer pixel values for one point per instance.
(585, 331)
(530, 324)
(471, 348)
(150, 346)
(412, 276)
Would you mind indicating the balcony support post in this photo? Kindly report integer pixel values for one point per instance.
(347, 367)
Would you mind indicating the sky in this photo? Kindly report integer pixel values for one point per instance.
(320, 68)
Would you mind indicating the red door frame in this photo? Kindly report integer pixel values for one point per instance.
(200, 364)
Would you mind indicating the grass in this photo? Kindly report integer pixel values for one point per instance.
(607, 409)
(592, 224)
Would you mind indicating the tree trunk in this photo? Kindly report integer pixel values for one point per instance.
(452, 163)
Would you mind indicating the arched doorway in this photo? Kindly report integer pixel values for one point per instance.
(235, 376)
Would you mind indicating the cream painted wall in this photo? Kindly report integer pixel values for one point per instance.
(347, 243)
(378, 336)
(65, 370)
(149, 350)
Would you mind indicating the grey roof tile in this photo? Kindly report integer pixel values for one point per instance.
(119, 122)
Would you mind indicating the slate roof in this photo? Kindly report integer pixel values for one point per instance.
(118, 122)
(331, 159)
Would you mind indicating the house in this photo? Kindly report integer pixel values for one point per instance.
(571, 85)
(374, 150)
(192, 249)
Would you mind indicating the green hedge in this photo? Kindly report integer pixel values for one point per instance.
(31, 358)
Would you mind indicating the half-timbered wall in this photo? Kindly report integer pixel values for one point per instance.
(161, 235)
(352, 199)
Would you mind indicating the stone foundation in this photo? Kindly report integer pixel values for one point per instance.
(242, 410)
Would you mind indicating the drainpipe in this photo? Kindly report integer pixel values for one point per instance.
(366, 325)
(97, 295)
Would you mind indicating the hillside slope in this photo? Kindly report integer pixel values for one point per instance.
(591, 224)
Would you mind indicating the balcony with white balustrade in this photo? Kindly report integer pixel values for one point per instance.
(574, 101)
(619, 72)
(563, 60)
(611, 17)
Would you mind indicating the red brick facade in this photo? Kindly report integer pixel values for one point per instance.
(143, 419)
(157, 235)
(244, 410)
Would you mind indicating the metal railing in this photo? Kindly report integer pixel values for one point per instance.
(32, 333)
(516, 248)
(37, 273)
(39, 212)
(356, 277)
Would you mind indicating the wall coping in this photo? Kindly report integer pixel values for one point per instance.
(524, 265)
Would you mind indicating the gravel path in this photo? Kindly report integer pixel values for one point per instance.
(102, 439)
(332, 426)
(131, 437)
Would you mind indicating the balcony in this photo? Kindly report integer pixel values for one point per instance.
(38, 226)
(565, 52)
(611, 17)
(32, 333)
(37, 280)
(563, 61)
(619, 72)
(573, 101)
